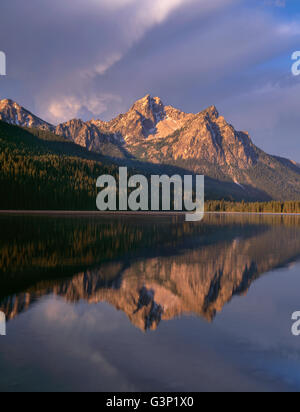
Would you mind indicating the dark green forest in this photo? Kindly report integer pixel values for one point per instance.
(45, 172)
(253, 207)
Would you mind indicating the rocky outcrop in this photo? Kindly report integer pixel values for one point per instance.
(203, 136)
(13, 113)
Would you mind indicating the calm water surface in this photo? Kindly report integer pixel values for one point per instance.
(149, 304)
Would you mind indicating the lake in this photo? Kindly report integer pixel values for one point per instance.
(149, 303)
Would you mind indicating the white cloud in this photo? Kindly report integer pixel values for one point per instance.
(102, 67)
(64, 108)
(158, 10)
(145, 14)
(192, 53)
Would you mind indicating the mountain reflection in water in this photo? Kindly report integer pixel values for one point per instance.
(151, 268)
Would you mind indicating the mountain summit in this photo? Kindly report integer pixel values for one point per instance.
(12, 113)
(202, 143)
(164, 130)
(150, 125)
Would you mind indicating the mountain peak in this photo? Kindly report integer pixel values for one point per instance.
(12, 113)
(148, 98)
(149, 111)
(148, 103)
(145, 98)
(6, 101)
(212, 111)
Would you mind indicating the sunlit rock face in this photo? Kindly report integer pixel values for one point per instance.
(13, 113)
(206, 135)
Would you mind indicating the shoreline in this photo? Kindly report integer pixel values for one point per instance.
(108, 213)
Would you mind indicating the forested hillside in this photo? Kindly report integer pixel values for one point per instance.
(46, 172)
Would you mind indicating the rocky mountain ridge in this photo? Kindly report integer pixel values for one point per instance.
(12, 113)
(202, 143)
(205, 135)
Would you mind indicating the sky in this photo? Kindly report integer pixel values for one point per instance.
(94, 58)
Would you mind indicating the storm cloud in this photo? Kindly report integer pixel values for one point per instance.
(93, 58)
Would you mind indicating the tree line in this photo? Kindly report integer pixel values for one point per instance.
(253, 207)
